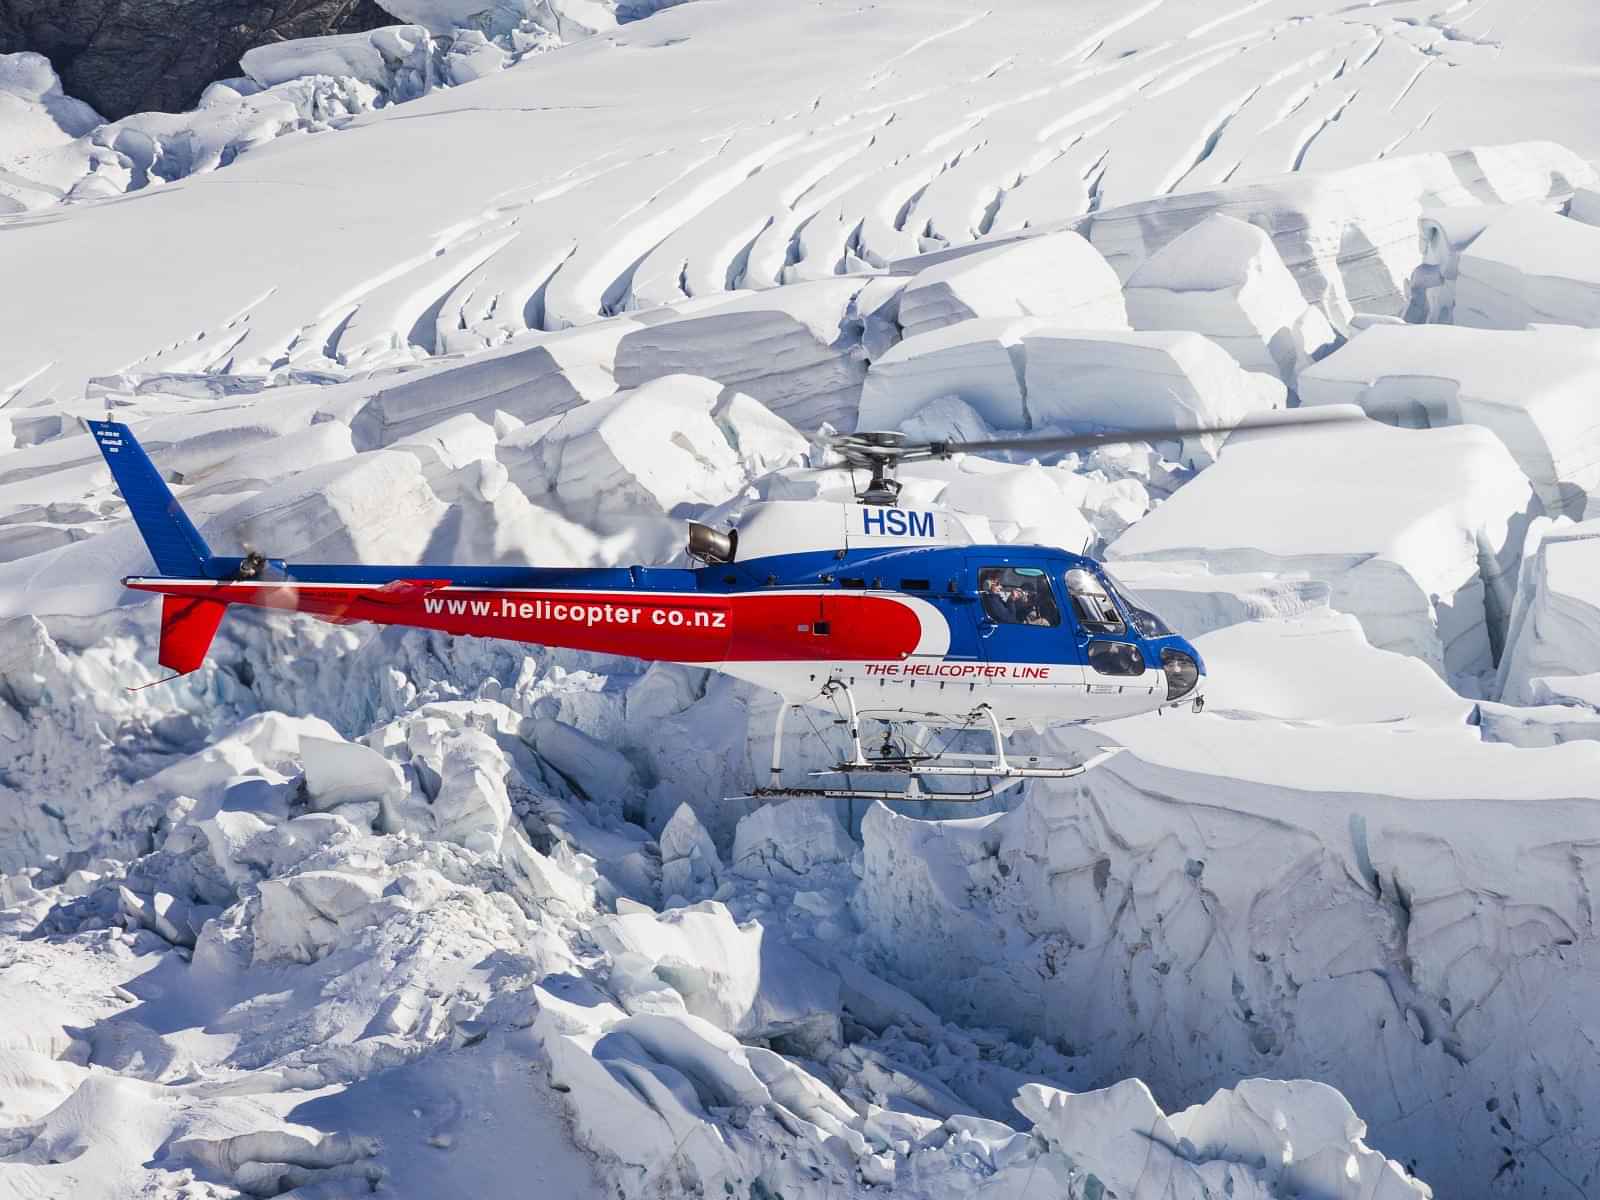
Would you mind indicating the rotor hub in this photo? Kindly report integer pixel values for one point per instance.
(877, 451)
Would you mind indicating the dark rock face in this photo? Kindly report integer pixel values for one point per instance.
(125, 56)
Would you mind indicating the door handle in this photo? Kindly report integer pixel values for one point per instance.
(986, 627)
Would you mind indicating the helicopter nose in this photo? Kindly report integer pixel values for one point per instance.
(1183, 669)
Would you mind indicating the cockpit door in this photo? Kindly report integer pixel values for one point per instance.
(1023, 635)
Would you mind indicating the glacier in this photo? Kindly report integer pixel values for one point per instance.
(355, 910)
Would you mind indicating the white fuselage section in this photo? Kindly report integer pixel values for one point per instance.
(942, 691)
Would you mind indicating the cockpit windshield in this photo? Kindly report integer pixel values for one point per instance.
(1140, 614)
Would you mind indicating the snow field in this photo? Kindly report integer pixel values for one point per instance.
(657, 1048)
(924, 129)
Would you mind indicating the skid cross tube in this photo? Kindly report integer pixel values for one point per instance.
(912, 765)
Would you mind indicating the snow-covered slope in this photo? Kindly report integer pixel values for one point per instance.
(352, 908)
(811, 137)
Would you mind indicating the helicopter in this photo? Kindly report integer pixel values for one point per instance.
(911, 617)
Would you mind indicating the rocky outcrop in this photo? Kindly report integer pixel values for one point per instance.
(134, 55)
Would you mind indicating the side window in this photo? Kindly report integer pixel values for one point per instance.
(1090, 604)
(1116, 658)
(1017, 596)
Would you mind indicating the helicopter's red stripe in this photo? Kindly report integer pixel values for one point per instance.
(675, 626)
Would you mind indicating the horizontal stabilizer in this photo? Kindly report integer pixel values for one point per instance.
(187, 627)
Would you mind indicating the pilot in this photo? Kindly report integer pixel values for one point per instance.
(997, 604)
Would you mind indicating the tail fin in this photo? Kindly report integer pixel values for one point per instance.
(188, 623)
(173, 541)
(187, 626)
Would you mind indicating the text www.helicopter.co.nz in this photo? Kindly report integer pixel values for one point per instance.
(577, 614)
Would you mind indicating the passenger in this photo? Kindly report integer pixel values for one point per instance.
(1033, 608)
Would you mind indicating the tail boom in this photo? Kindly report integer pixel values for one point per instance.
(637, 612)
(681, 627)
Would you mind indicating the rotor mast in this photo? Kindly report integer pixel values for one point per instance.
(877, 451)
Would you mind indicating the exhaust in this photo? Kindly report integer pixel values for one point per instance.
(712, 545)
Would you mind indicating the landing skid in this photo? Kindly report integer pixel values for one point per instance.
(1002, 773)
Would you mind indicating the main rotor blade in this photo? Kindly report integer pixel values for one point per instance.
(1298, 418)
